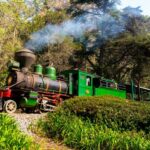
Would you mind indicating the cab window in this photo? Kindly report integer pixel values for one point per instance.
(88, 81)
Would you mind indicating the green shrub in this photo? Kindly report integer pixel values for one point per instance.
(110, 111)
(11, 137)
(106, 123)
(84, 135)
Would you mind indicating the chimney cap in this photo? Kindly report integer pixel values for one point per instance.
(25, 57)
(25, 50)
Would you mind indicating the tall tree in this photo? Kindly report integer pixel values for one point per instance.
(12, 20)
(103, 5)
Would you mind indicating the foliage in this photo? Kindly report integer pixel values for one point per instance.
(73, 123)
(122, 58)
(11, 136)
(18, 23)
(12, 20)
(129, 60)
(104, 5)
(112, 112)
(59, 54)
(42, 18)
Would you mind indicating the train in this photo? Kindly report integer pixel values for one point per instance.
(37, 88)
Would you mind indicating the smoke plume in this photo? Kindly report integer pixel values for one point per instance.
(104, 25)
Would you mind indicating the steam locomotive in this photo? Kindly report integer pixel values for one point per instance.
(41, 89)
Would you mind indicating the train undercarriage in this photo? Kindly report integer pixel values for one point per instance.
(29, 101)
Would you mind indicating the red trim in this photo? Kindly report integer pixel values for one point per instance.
(5, 93)
(54, 94)
(55, 98)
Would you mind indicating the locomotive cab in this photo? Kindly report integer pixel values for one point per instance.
(80, 82)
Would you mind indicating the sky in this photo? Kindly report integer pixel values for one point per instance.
(144, 4)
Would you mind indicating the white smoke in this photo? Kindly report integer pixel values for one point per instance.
(104, 24)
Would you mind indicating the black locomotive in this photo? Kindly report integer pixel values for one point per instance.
(31, 90)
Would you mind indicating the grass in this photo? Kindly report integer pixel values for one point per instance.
(83, 123)
(12, 138)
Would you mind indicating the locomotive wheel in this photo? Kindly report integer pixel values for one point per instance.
(10, 106)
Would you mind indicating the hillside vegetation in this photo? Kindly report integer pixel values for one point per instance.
(100, 123)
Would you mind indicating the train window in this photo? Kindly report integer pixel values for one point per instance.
(103, 83)
(96, 82)
(88, 81)
(112, 85)
(121, 87)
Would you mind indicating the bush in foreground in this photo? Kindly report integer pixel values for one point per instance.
(83, 123)
(11, 137)
(111, 111)
(84, 135)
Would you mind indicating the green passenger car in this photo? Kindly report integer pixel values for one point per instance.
(85, 84)
(108, 91)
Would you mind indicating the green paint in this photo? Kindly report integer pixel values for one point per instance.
(33, 94)
(81, 84)
(50, 72)
(85, 81)
(78, 84)
(109, 91)
(28, 102)
(38, 69)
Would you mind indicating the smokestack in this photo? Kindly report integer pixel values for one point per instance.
(26, 58)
